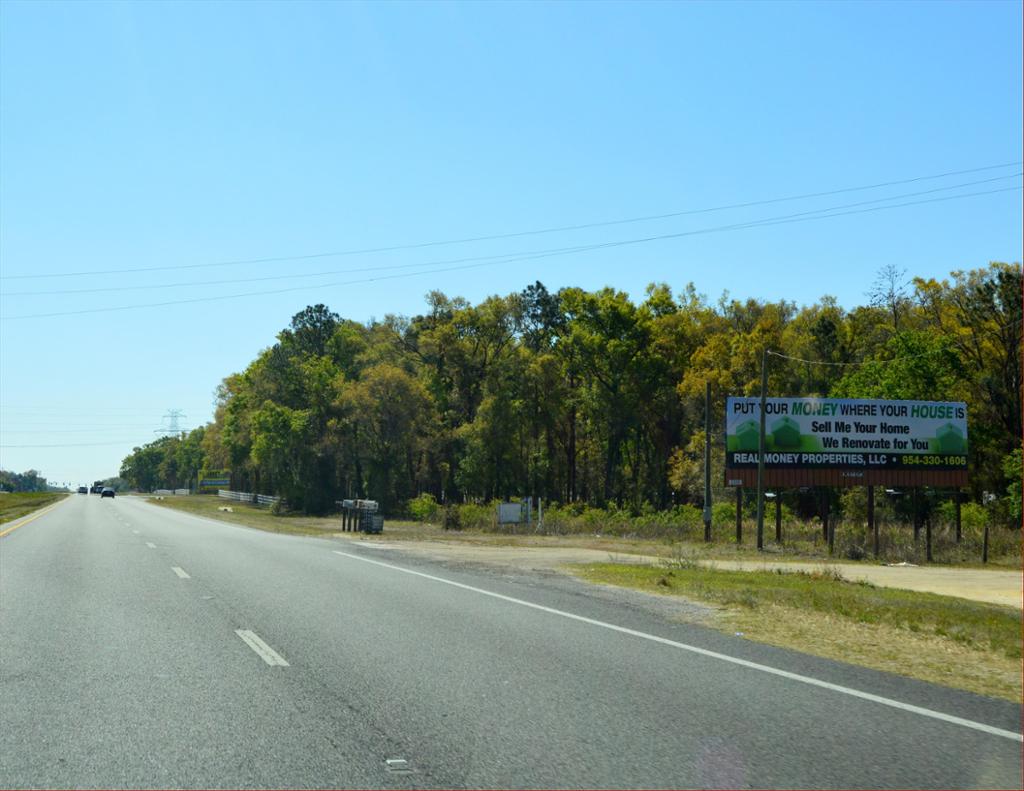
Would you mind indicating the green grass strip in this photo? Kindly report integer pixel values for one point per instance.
(14, 505)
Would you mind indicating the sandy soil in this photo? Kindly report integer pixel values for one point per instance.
(998, 587)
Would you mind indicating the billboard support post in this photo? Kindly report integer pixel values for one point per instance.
(739, 514)
(916, 505)
(823, 506)
(956, 499)
(872, 524)
(761, 451)
(830, 526)
(778, 517)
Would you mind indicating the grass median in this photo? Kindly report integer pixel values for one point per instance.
(14, 505)
(941, 639)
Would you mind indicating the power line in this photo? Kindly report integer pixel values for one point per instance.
(784, 220)
(516, 234)
(67, 430)
(75, 444)
(497, 258)
(293, 276)
(105, 412)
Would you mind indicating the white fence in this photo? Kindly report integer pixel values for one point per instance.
(248, 497)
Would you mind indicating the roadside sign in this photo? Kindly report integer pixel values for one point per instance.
(847, 441)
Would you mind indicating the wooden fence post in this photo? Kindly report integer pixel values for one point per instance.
(739, 514)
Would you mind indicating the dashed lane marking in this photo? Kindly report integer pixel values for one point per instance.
(266, 653)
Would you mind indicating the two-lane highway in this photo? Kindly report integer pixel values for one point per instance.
(145, 647)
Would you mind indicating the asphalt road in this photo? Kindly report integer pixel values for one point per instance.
(142, 647)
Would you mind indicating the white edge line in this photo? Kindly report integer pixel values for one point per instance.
(856, 693)
(266, 653)
(181, 572)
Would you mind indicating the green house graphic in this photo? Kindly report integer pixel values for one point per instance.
(747, 435)
(786, 433)
(950, 439)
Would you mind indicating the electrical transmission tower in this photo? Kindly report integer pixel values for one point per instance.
(172, 429)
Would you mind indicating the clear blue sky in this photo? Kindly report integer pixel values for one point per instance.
(140, 135)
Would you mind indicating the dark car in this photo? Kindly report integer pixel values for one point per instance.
(95, 489)
(83, 490)
(107, 492)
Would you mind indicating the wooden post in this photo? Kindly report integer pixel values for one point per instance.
(761, 445)
(915, 504)
(956, 498)
(823, 513)
(872, 524)
(928, 538)
(778, 517)
(739, 514)
(984, 546)
(830, 529)
(707, 462)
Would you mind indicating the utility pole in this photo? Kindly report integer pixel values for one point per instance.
(707, 461)
(760, 451)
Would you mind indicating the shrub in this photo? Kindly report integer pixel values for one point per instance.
(423, 508)
(478, 517)
(451, 520)
(973, 517)
(723, 513)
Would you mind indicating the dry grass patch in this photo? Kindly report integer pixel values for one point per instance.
(925, 657)
(942, 639)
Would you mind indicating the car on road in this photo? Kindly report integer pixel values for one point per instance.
(107, 492)
(83, 490)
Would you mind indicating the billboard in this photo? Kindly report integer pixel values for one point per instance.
(846, 441)
(212, 480)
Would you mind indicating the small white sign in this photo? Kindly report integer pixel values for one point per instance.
(510, 513)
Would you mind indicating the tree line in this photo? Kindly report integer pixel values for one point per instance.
(587, 397)
(28, 481)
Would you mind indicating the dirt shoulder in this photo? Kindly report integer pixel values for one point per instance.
(995, 586)
(531, 551)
